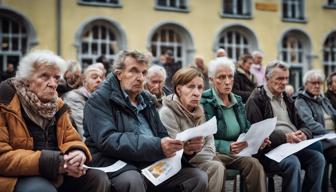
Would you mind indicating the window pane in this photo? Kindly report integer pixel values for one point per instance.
(15, 43)
(167, 38)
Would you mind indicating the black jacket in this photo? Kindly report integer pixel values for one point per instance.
(258, 108)
(243, 86)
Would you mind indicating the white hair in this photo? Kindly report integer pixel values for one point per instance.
(220, 51)
(94, 67)
(32, 60)
(311, 74)
(73, 66)
(156, 69)
(219, 62)
(255, 53)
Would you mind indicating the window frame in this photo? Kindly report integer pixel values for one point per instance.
(99, 4)
(297, 20)
(329, 64)
(174, 9)
(25, 34)
(89, 55)
(174, 45)
(296, 68)
(329, 5)
(248, 6)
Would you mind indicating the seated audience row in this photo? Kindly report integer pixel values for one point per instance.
(41, 149)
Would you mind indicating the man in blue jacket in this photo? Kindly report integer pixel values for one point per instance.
(121, 123)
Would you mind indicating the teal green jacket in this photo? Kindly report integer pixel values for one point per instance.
(212, 108)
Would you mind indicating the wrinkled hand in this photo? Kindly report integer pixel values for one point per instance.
(301, 135)
(170, 146)
(265, 143)
(293, 137)
(73, 163)
(194, 145)
(237, 146)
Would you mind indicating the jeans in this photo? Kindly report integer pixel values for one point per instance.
(289, 168)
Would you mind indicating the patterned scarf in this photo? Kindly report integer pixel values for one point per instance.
(30, 99)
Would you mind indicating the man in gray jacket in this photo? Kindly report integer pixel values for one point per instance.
(319, 116)
(121, 123)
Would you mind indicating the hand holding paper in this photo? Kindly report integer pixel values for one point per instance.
(170, 146)
(162, 170)
(193, 145)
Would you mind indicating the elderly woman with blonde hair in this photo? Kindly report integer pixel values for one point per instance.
(228, 108)
(39, 148)
(182, 111)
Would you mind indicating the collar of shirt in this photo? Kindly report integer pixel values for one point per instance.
(271, 96)
(141, 102)
(220, 101)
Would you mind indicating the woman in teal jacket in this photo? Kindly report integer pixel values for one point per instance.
(229, 110)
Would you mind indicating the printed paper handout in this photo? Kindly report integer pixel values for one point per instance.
(284, 150)
(112, 168)
(162, 170)
(256, 135)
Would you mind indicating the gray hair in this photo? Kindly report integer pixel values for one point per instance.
(311, 74)
(275, 64)
(32, 60)
(220, 51)
(94, 67)
(156, 69)
(255, 53)
(119, 62)
(73, 66)
(219, 62)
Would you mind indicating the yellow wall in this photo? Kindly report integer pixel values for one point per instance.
(138, 17)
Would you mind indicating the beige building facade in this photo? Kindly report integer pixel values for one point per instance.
(299, 32)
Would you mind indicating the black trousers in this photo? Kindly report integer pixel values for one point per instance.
(92, 181)
(187, 179)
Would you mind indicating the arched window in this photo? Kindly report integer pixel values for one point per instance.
(236, 40)
(295, 49)
(234, 43)
(329, 54)
(167, 39)
(96, 38)
(172, 37)
(16, 37)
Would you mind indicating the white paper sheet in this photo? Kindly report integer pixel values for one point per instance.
(163, 169)
(112, 168)
(284, 150)
(256, 136)
(205, 129)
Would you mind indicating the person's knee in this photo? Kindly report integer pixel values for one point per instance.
(320, 160)
(216, 168)
(99, 180)
(290, 165)
(254, 165)
(34, 184)
(127, 180)
(201, 178)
